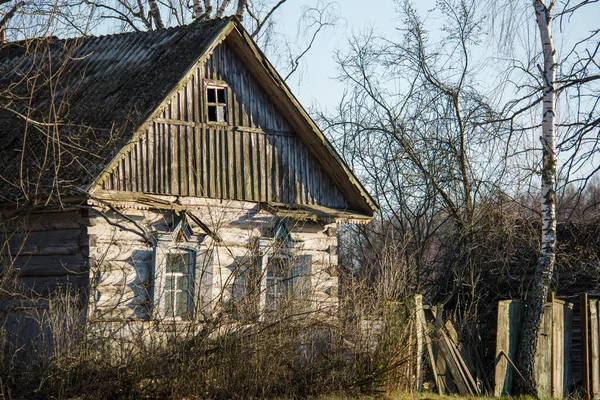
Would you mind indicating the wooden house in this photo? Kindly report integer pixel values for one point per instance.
(166, 175)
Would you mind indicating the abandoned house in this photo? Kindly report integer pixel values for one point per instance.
(167, 175)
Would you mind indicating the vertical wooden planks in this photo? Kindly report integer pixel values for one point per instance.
(585, 344)
(206, 163)
(239, 168)
(229, 165)
(157, 157)
(275, 169)
(165, 139)
(595, 348)
(247, 159)
(217, 162)
(196, 170)
(182, 155)
(185, 160)
(561, 348)
(543, 355)
(255, 164)
(510, 320)
(144, 164)
(268, 168)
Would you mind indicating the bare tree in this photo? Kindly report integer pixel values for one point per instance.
(414, 124)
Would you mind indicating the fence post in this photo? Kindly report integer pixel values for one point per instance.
(420, 322)
(585, 344)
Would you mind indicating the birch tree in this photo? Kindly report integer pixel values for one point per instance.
(545, 268)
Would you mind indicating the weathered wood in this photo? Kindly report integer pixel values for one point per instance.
(265, 152)
(35, 265)
(432, 363)
(45, 286)
(595, 349)
(420, 324)
(59, 242)
(121, 264)
(510, 318)
(45, 221)
(444, 373)
(561, 339)
(454, 365)
(463, 356)
(543, 355)
(585, 349)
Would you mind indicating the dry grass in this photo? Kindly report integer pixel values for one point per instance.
(291, 356)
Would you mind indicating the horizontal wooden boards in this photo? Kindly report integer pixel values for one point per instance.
(217, 162)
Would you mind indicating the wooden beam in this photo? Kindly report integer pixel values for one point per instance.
(585, 343)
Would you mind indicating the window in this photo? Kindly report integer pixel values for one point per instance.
(279, 277)
(216, 101)
(182, 273)
(179, 283)
(174, 285)
(279, 281)
(286, 279)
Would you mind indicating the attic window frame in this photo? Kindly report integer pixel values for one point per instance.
(216, 85)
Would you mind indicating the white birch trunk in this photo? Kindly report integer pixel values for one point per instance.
(197, 9)
(545, 268)
(241, 8)
(221, 10)
(208, 6)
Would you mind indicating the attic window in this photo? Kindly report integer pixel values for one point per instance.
(216, 100)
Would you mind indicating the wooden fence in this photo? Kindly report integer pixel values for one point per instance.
(590, 346)
(552, 359)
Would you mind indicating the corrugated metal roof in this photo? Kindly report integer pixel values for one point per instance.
(86, 95)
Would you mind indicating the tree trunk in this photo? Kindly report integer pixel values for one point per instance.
(241, 8)
(155, 14)
(221, 10)
(545, 268)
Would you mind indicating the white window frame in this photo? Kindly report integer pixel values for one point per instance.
(160, 293)
(216, 85)
(269, 301)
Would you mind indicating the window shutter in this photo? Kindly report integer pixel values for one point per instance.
(205, 269)
(303, 275)
(158, 271)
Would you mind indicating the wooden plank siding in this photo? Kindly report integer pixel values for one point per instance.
(121, 262)
(47, 251)
(254, 157)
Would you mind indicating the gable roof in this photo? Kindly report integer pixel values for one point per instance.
(84, 99)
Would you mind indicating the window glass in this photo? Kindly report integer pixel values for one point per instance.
(211, 97)
(177, 262)
(179, 272)
(216, 99)
(221, 95)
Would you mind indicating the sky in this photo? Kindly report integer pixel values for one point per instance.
(315, 84)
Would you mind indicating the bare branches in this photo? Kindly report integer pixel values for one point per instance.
(140, 231)
(260, 22)
(322, 21)
(425, 140)
(11, 13)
